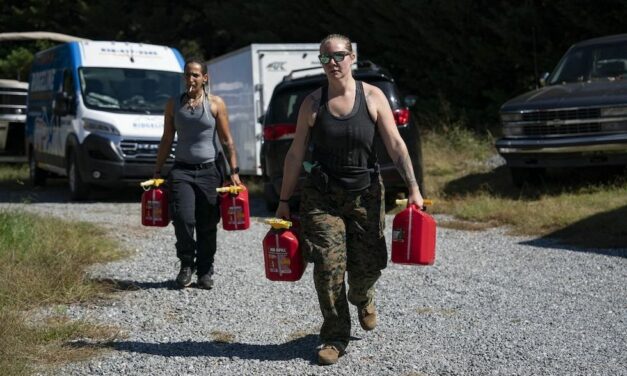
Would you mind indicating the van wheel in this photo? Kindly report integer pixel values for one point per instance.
(79, 190)
(37, 175)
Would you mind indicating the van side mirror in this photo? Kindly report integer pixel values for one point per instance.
(261, 118)
(410, 100)
(542, 80)
(60, 104)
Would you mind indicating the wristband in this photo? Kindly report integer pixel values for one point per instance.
(281, 200)
(234, 170)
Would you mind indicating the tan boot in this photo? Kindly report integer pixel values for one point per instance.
(328, 354)
(368, 317)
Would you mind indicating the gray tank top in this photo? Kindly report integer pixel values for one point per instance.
(196, 133)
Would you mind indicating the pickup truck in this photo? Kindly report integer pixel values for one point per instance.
(577, 118)
(12, 119)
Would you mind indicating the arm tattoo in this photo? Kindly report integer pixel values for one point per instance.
(404, 167)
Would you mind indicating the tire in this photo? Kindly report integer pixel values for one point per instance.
(37, 175)
(79, 190)
(529, 176)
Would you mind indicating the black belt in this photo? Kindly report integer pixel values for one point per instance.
(191, 166)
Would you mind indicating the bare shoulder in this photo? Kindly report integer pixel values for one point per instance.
(312, 101)
(217, 100)
(373, 92)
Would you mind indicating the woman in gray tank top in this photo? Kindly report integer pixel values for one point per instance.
(198, 120)
(341, 209)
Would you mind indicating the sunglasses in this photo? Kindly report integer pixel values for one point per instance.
(336, 56)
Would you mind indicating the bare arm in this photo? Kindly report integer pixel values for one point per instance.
(379, 107)
(165, 146)
(224, 132)
(296, 153)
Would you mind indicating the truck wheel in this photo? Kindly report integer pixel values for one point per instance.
(522, 176)
(79, 190)
(37, 175)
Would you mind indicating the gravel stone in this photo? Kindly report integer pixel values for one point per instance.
(492, 304)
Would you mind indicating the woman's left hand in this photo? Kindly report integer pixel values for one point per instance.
(415, 198)
(235, 179)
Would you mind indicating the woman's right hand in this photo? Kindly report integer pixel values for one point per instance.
(283, 210)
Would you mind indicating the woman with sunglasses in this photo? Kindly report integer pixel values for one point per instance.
(342, 208)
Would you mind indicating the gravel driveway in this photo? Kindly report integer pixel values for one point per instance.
(491, 305)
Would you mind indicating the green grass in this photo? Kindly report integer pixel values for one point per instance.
(42, 263)
(582, 210)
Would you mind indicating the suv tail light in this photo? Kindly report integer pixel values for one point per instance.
(273, 132)
(401, 117)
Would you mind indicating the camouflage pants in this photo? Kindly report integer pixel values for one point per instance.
(343, 234)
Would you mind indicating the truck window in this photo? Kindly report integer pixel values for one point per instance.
(128, 90)
(604, 61)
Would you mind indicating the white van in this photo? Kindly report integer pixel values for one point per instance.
(95, 111)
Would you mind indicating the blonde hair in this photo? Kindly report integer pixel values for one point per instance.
(343, 38)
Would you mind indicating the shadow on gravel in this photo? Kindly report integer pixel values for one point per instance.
(299, 348)
(126, 285)
(579, 233)
(56, 191)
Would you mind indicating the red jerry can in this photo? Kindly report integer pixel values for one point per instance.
(281, 252)
(234, 208)
(154, 204)
(413, 236)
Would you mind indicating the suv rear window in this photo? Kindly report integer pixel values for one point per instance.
(286, 103)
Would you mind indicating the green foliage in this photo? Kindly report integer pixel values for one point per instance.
(474, 55)
(17, 64)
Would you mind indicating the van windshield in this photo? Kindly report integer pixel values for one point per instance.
(128, 90)
(606, 62)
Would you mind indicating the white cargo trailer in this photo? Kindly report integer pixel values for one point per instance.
(245, 79)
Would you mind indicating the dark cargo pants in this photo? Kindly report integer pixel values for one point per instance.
(343, 232)
(194, 206)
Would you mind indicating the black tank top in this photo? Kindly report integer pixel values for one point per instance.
(344, 146)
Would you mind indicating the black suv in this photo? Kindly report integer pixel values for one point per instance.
(280, 125)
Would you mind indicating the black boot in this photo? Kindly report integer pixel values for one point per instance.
(205, 278)
(184, 278)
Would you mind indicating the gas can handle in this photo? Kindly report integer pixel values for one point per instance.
(232, 189)
(403, 203)
(150, 183)
(278, 223)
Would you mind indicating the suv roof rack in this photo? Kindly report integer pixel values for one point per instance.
(362, 64)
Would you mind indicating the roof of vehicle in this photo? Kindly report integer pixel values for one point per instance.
(13, 84)
(361, 70)
(602, 40)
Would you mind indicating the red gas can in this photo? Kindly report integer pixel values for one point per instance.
(413, 237)
(154, 204)
(281, 252)
(234, 208)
